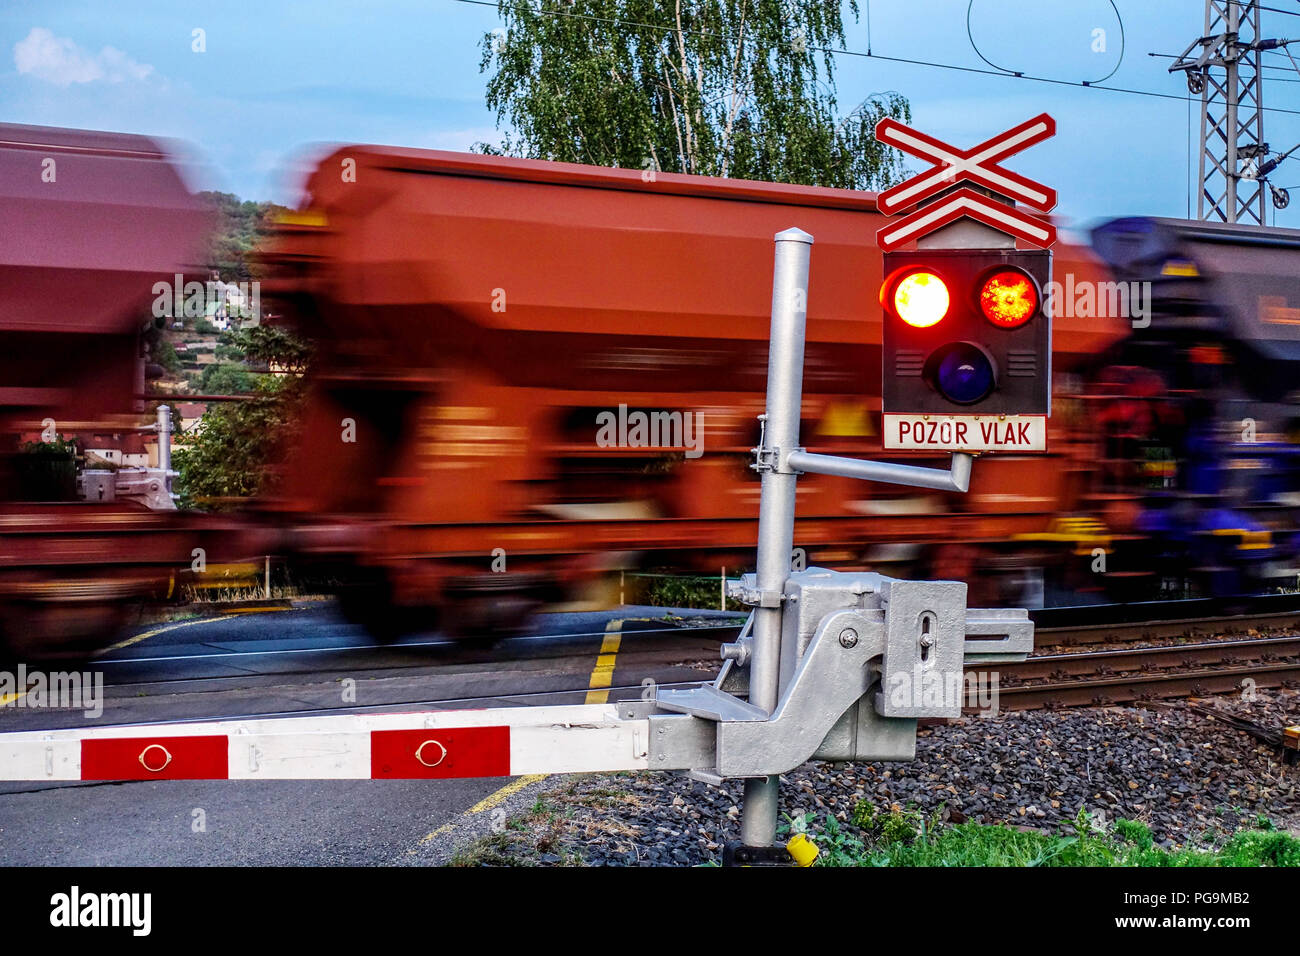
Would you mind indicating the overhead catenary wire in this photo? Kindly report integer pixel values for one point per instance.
(1289, 13)
(970, 37)
(982, 71)
(995, 70)
(1271, 79)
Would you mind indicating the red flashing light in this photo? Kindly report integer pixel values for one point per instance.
(1008, 299)
(921, 299)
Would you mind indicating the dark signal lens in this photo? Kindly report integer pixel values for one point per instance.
(1008, 299)
(962, 373)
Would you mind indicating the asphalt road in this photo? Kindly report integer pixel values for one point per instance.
(308, 660)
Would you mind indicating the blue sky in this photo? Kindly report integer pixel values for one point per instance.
(278, 79)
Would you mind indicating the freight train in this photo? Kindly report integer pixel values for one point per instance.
(89, 221)
(530, 375)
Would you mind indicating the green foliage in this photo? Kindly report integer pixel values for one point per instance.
(234, 452)
(165, 355)
(1132, 831)
(225, 379)
(665, 589)
(238, 228)
(892, 825)
(160, 349)
(227, 351)
(269, 345)
(865, 815)
(60, 446)
(906, 838)
(836, 845)
(736, 88)
(1262, 848)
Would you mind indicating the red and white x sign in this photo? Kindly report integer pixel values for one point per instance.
(966, 202)
(977, 165)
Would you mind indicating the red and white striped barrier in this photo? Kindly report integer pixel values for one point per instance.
(500, 742)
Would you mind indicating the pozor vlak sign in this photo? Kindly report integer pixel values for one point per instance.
(966, 346)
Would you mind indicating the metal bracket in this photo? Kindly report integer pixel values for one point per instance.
(739, 651)
(866, 654)
(956, 478)
(765, 459)
(831, 677)
(737, 854)
(746, 591)
(769, 458)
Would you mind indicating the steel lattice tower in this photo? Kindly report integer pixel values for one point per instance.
(1223, 66)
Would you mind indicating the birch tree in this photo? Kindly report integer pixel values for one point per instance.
(736, 88)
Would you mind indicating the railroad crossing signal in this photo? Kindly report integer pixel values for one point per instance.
(971, 205)
(967, 335)
(967, 349)
(977, 165)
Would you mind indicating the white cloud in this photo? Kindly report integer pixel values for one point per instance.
(61, 61)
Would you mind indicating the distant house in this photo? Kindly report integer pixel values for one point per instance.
(119, 449)
(190, 415)
(231, 306)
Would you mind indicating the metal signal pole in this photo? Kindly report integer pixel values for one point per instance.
(776, 504)
(780, 459)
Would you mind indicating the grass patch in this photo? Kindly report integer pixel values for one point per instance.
(905, 837)
(533, 838)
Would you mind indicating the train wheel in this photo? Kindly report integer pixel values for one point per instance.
(492, 606)
(366, 599)
(59, 631)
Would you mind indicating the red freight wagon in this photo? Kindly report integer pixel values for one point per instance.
(480, 318)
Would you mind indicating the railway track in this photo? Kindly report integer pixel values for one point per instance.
(1187, 656)
(1085, 657)
(1148, 622)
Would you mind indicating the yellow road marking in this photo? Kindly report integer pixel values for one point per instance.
(441, 831)
(603, 673)
(488, 802)
(225, 615)
(514, 786)
(145, 635)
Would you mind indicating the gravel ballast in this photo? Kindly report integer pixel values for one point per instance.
(1191, 779)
